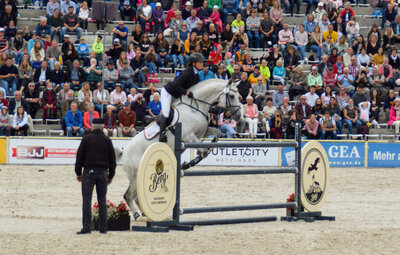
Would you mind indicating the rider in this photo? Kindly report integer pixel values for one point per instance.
(179, 87)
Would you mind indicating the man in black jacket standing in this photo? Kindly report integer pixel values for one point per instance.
(96, 155)
(178, 87)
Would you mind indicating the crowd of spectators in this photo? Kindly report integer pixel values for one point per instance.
(351, 79)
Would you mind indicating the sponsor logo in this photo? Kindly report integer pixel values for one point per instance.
(41, 152)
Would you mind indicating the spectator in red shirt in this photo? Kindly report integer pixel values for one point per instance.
(347, 13)
(49, 101)
(331, 80)
(215, 57)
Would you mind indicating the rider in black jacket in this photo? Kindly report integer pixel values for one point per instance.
(179, 87)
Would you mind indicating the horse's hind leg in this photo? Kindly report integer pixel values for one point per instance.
(130, 197)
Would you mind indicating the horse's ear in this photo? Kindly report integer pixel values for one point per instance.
(230, 82)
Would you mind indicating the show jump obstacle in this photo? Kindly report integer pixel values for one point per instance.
(160, 173)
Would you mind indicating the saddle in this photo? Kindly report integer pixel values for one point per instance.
(153, 129)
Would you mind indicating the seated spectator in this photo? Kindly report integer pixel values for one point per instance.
(126, 120)
(93, 73)
(301, 39)
(342, 45)
(352, 30)
(16, 101)
(139, 106)
(250, 113)
(395, 115)
(310, 128)
(347, 13)
(101, 97)
(318, 109)
(57, 76)
(279, 95)
(387, 106)
(394, 60)
(387, 71)
(43, 29)
(8, 15)
(71, 24)
(276, 15)
(121, 32)
(74, 121)
(206, 73)
(375, 107)
(248, 64)
(253, 27)
(336, 113)
(316, 41)
(327, 46)
(331, 80)
(279, 72)
(110, 122)
(332, 59)
(83, 49)
(88, 118)
(311, 96)
(56, 22)
(327, 95)
(176, 52)
(347, 80)
(259, 91)
(127, 8)
(53, 54)
(5, 122)
(361, 80)
(285, 38)
(388, 15)
(9, 76)
(49, 101)
(69, 55)
(388, 39)
(206, 45)
(132, 95)
(20, 123)
(162, 48)
(18, 47)
(3, 100)
(110, 75)
(144, 15)
(324, 24)
(138, 66)
(315, 79)
(268, 112)
(63, 94)
(343, 98)
(328, 127)
(64, 7)
(286, 109)
(151, 59)
(32, 98)
(84, 105)
(154, 107)
(379, 57)
(350, 114)
(227, 124)
(66, 102)
(98, 47)
(276, 125)
(290, 125)
(11, 31)
(304, 109)
(126, 75)
(298, 83)
(118, 97)
(291, 60)
(339, 66)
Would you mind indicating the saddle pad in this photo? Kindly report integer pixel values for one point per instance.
(151, 130)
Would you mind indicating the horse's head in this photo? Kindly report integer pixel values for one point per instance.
(229, 99)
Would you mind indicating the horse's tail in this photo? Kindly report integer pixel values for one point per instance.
(118, 154)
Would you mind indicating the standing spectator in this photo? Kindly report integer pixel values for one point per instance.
(20, 122)
(49, 101)
(158, 18)
(56, 22)
(144, 15)
(32, 98)
(71, 23)
(9, 76)
(127, 120)
(350, 114)
(328, 127)
(110, 122)
(74, 121)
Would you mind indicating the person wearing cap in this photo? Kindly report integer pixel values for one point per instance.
(56, 22)
(139, 106)
(126, 121)
(318, 12)
(96, 156)
(179, 87)
(186, 10)
(115, 50)
(121, 32)
(127, 8)
(110, 75)
(71, 24)
(5, 121)
(126, 76)
(158, 15)
(144, 14)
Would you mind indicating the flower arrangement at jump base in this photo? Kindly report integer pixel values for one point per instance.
(117, 216)
(290, 211)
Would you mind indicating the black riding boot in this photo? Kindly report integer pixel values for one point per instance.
(163, 124)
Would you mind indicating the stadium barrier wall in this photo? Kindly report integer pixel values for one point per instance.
(341, 153)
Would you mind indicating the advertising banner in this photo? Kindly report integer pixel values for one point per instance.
(340, 154)
(47, 151)
(383, 154)
(238, 157)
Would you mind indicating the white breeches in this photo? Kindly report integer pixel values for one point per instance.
(166, 100)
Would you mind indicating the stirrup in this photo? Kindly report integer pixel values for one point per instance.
(163, 137)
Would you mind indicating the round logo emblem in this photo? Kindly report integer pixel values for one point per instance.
(156, 182)
(314, 176)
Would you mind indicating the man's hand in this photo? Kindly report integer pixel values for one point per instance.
(79, 178)
(109, 181)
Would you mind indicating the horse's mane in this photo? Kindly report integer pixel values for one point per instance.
(215, 84)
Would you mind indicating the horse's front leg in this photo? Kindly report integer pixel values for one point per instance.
(201, 152)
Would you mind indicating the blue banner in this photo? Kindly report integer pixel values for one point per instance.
(383, 154)
(346, 154)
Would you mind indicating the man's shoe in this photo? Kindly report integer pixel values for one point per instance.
(84, 231)
(103, 231)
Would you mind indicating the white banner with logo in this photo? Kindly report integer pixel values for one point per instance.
(248, 156)
(48, 151)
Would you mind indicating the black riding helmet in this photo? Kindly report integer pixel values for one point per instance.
(194, 58)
